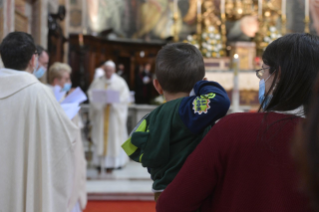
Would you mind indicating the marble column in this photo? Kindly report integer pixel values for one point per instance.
(39, 29)
(65, 26)
(6, 17)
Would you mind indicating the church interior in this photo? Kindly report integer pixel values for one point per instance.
(230, 34)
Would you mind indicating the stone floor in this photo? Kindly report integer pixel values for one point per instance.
(129, 183)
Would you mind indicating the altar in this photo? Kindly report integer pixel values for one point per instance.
(214, 27)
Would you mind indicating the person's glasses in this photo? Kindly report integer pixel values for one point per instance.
(260, 72)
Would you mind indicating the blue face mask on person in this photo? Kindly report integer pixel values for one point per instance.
(262, 91)
(40, 72)
(67, 87)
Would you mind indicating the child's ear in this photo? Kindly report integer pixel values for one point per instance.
(157, 86)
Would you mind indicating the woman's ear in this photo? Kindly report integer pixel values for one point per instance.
(157, 86)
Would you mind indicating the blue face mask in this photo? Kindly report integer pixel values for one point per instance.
(67, 87)
(262, 91)
(40, 72)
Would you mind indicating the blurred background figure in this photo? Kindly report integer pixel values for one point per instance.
(143, 92)
(59, 74)
(109, 120)
(122, 72)
(43, 62)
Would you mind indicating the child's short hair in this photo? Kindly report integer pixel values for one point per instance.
(178, 67)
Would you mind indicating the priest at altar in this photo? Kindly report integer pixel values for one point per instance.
(108, 120)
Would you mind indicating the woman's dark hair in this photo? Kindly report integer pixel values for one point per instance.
(306, 149)
(294, 59)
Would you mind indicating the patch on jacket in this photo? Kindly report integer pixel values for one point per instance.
(201, 103)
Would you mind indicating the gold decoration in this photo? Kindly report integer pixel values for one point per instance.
(235, 10)
(248, 96)
(267, 22)
(307, 22)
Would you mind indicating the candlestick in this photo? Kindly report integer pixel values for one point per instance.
(306, 8)
(175, 18)
(223, 31)
(283, 7)
(199, 20)
(283, 17)
(307, 18)
(307, 22)
(222, 6)
(235, 94)
(81, 40)
(199, 7)
(283, 24)
(260, 7)
(175, 6)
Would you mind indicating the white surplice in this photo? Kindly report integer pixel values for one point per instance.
(78, 198)
(117, 132)
(37, 141)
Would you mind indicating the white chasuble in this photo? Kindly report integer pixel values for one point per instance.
(109, 122)
(36, 154)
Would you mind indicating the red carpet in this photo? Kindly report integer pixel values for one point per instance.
(120, 206)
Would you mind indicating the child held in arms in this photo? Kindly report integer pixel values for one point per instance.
(165, 138)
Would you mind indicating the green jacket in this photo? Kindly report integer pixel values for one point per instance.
(165, 138)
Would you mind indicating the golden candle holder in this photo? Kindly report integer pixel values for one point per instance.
(223, 31)
(199, 24)
(307, 22)
(283, 24)
(199, 30)
(175, 19)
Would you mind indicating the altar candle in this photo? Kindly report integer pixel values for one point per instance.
(235, 94)
(283, 7)
(199, 6)
(175, 6)
(222, 6)
(260, 7)
(307, 8)
(81, 40)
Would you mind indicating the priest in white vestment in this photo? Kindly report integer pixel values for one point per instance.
(37, 139)
(59, 75)
(109, 120)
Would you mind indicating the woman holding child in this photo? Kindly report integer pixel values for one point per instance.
(244, 162)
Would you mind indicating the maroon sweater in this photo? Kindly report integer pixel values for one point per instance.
(242, 165)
